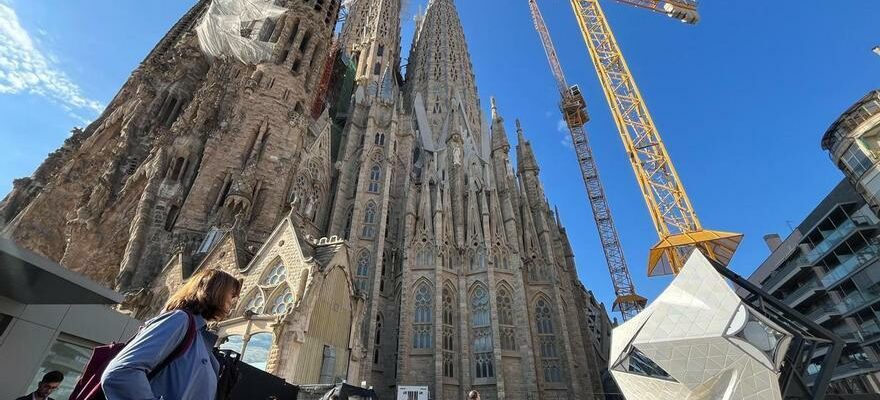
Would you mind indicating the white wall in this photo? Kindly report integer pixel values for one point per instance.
(34, 328)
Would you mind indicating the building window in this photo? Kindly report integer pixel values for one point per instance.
(449, 355)
(448, 365)
(69, 355)
(254, 350)
(505, 320)
(480, 307)
(377, 69)
(276, 275)
(369, 230)
(378, 341)
(380, 50)
(424, 258)
(856, 161)
(423, 320)
(282, 302)
(362, 272)
(478, 260)
(547, 340)
(484, 365)
(379, 139)
(375, 176)
(501, 262)
(256, 302)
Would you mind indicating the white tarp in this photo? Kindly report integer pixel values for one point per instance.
(220, 30)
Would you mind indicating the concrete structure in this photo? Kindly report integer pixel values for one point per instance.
(466, 271)
(698, 340)
(50, 319)
(828, 269)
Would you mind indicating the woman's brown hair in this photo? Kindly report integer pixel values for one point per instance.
(205, 294)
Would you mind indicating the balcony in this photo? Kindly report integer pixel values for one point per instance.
(845, 370)
(831, 241)
(802, 293)
(867, 332)
(853, 368)
(785, 272)
(861, 258)
(857, 300)
(824, 313)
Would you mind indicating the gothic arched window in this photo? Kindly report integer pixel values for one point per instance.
(449, 356)
(544, 317)
(423, 318)
(550, 362)
(276, 275)
(347, 230)
(282, 302)
(369, 230)
(478, 259)
(484, 364)
(480, 307)
(378, 341)
(255, 303)
(375, 176)
(379, 139)
(362, 272)
(506, 320)
(424, 257)
(448, 307)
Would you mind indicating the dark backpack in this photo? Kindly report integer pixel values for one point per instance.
(88, 387)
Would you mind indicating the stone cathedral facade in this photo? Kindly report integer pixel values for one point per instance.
(340, 190)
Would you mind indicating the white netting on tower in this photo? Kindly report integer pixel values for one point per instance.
(239, 28)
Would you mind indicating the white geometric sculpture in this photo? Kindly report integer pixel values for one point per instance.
(698, 341)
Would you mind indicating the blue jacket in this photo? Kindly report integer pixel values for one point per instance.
(192, 376)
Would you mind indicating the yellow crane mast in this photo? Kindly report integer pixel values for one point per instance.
(574, 110)
(671, 210)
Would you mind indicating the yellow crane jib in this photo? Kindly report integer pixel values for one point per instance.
(671, 210)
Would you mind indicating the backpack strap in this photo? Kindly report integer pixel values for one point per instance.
(181, 348)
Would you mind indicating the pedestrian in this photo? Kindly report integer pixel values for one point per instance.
(142, 370)
(47, 385)
(474, 395)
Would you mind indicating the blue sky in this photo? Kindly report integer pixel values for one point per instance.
(741, 100)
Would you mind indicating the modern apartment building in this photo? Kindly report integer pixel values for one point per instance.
(828, 267)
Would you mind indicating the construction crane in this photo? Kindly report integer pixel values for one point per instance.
(574, 111)
(671, 210)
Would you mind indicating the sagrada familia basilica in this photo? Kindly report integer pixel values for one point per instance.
(382, 231)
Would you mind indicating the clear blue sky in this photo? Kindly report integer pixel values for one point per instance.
(741, 100)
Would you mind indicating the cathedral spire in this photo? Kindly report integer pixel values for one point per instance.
(499, 135)
(440, 71)
(525, 157)
(371, 37)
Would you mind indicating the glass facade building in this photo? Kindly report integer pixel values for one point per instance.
(829, 270)
(829, 266)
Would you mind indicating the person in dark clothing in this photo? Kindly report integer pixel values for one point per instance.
(47, 385)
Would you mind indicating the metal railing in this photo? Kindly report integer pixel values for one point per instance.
(858, 299)
(812, 285)
(784, 271)
(851, 264)
(831, 241)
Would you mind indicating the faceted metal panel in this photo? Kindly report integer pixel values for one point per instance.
(700, 333)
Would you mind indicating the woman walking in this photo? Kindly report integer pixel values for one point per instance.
(166, 359)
